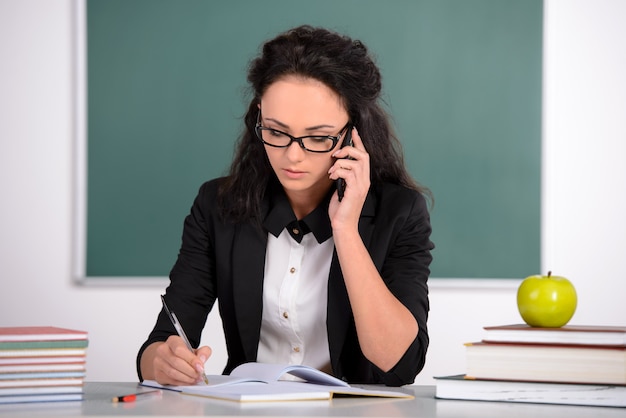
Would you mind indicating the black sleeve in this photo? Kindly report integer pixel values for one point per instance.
(405, 271)
(191, 293)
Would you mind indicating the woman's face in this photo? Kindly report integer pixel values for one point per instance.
(302, 106)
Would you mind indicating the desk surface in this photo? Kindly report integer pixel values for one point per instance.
(98, 403)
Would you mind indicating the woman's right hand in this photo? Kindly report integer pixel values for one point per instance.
(171, 363)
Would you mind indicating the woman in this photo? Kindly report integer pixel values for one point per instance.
(350, 297)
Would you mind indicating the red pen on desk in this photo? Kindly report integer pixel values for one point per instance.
(132, 397)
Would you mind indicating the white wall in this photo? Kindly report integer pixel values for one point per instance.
(584, 222)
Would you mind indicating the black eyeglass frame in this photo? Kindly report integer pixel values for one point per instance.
(258, 129)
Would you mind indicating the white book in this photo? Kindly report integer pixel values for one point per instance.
(461, 388)
(58, 397)
(33, 368)
(40, 375)
(38, 360)
(261, 382)
(43, 352)
(41, 390)
(21, 383)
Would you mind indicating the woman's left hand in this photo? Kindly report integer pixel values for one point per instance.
(353, 165)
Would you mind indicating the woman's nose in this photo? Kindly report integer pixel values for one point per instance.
(295, 152)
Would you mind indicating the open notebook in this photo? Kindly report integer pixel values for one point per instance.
(259, 382)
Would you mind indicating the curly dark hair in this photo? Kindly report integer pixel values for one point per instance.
(343, 65)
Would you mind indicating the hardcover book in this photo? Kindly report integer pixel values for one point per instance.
(569, 334)
(45, 333)
(546, 363)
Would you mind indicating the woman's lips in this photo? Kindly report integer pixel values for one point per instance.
(294, 174)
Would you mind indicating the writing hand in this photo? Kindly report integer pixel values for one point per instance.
(174, 364)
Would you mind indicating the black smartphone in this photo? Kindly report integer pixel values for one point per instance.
(347, 142)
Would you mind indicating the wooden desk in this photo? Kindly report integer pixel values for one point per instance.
(98, 403)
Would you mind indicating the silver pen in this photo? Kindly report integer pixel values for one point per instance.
(180, 332)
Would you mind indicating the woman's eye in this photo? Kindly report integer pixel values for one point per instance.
(319, 139)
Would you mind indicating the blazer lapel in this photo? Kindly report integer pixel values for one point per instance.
(248, 269)
(339, 312)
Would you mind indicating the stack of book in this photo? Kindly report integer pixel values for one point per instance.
(40, 364)
(576, 365)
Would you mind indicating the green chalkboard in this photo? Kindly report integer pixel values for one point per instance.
(166, 93)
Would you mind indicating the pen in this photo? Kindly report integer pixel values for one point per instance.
(132, 397)
(181, 332)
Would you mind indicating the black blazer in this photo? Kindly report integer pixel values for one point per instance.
(225, 261)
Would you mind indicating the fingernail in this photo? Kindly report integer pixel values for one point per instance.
(202, 359)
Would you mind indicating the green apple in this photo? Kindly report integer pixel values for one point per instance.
(546, 301)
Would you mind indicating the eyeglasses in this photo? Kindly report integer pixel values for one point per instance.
(280, 139)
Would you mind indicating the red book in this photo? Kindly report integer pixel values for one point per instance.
(569, 334)
(41, 333)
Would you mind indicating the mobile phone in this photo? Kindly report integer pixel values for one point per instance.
(347, 142)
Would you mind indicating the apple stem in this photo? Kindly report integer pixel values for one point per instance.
(549, 273)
